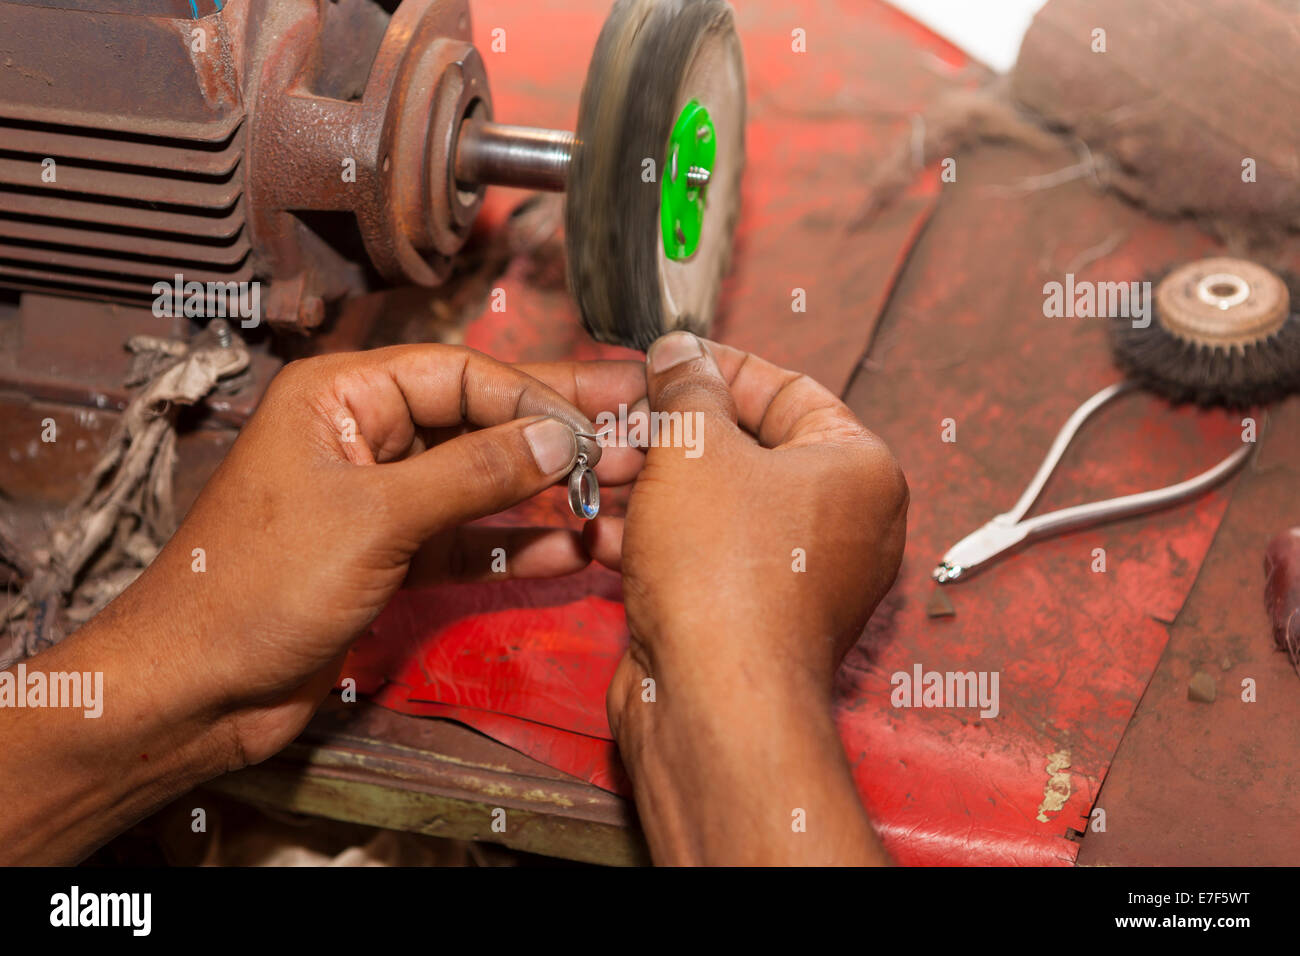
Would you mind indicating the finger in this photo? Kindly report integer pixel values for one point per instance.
(477, 474)
(391, 392)
(623, 458)
(782, 407)
(604, 391)
(498, 554)
(593, 387)
(681, 376)
(619, 464)
(603, 539)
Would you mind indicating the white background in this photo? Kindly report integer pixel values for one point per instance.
(989, 30)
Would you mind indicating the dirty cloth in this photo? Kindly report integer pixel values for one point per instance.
(125, 511)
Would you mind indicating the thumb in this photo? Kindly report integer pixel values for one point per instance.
(681, 376)
(481, 472)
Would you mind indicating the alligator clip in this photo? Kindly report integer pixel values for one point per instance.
(1008, 530)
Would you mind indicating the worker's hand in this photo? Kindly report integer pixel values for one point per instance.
(356, 471)
(769, 548)
(750, 565)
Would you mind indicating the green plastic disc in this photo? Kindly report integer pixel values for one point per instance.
(691, 145)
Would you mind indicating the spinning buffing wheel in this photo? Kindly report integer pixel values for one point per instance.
(653, 174)
(666, 84)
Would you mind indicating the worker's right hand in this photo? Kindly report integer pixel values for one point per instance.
(751, 562)
(763, 555)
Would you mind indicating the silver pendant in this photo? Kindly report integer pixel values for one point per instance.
(584, 490)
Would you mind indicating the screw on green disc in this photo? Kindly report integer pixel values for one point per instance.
(692, 146)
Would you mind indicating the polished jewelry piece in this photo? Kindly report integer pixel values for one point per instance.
(584, 490)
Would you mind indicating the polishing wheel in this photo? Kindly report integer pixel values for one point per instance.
(1226, 332)
(652, 175)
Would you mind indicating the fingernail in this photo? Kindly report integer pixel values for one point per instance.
(673, 349)
(553, 445)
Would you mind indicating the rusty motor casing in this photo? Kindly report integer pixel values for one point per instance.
(267, 139)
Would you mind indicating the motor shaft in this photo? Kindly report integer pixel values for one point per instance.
(494, 154)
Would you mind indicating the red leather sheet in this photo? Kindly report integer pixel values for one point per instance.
(528, 663)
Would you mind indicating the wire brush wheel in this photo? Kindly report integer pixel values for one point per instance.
(1224, 332)
(656, 62)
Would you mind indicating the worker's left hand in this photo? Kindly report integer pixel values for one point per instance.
(356, 472)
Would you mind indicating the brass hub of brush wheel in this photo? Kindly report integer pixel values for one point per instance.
(1222, 302)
